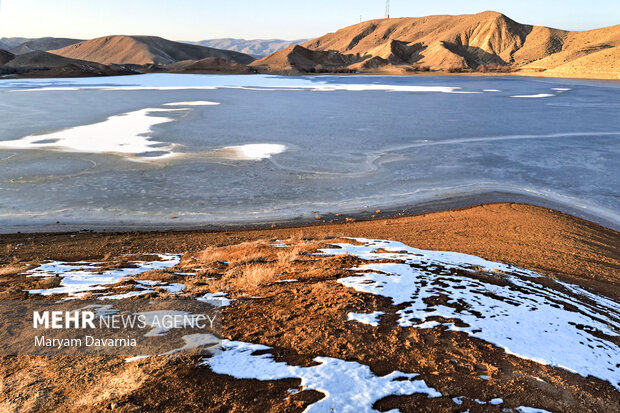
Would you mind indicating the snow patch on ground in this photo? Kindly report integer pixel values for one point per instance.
(515, 313)
(80, 278)
(347, 386)
(218, 298)
(525, 409)
(370, 319)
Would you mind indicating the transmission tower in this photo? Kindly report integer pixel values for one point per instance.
(387, 9)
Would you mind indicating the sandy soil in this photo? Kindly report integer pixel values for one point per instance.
(306, 319)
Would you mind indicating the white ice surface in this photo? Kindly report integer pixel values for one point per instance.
(201, 82)
(348, 386)
(540, 95)
(370, 319)
(250, 152)
(196, 103)
(522, 317)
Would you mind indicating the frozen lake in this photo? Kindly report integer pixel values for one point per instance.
(210, 150)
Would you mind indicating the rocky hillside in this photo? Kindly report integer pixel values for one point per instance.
(5, 57)
(144, 50)
(484, 42)
(43, 64)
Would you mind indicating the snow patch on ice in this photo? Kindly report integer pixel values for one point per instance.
(250, 152)
(539, 95)
(196, 103)
(127, 134)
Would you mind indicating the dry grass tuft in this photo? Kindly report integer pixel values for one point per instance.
(250, 276)
(289, 255)
(253, 258)
(212, 254)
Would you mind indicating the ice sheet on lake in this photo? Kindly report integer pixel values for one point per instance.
(347, 386)
(80, 278)
(523, 317)
(129, 135)
(165, 82)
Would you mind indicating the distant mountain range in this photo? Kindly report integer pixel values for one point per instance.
(117, 55)
(254, 48)
(483, 43)
(7, 43)
(144, 50)
(44, 44)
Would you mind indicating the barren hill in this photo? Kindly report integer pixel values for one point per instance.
(5, 56)
(51, 65)
(144, 50)
(208, 65)
(43, 44)
(486, 41)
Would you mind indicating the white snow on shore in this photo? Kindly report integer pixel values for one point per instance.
(217, 298)
(370, 319)
(80, 278)
(347, 386)
(515, 313)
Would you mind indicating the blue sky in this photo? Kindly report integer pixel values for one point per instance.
(204, 19)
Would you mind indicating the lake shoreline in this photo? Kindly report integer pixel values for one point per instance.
(529, 236)
(316, 218)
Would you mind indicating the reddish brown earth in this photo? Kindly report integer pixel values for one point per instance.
(306, 319)
(484, 42)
